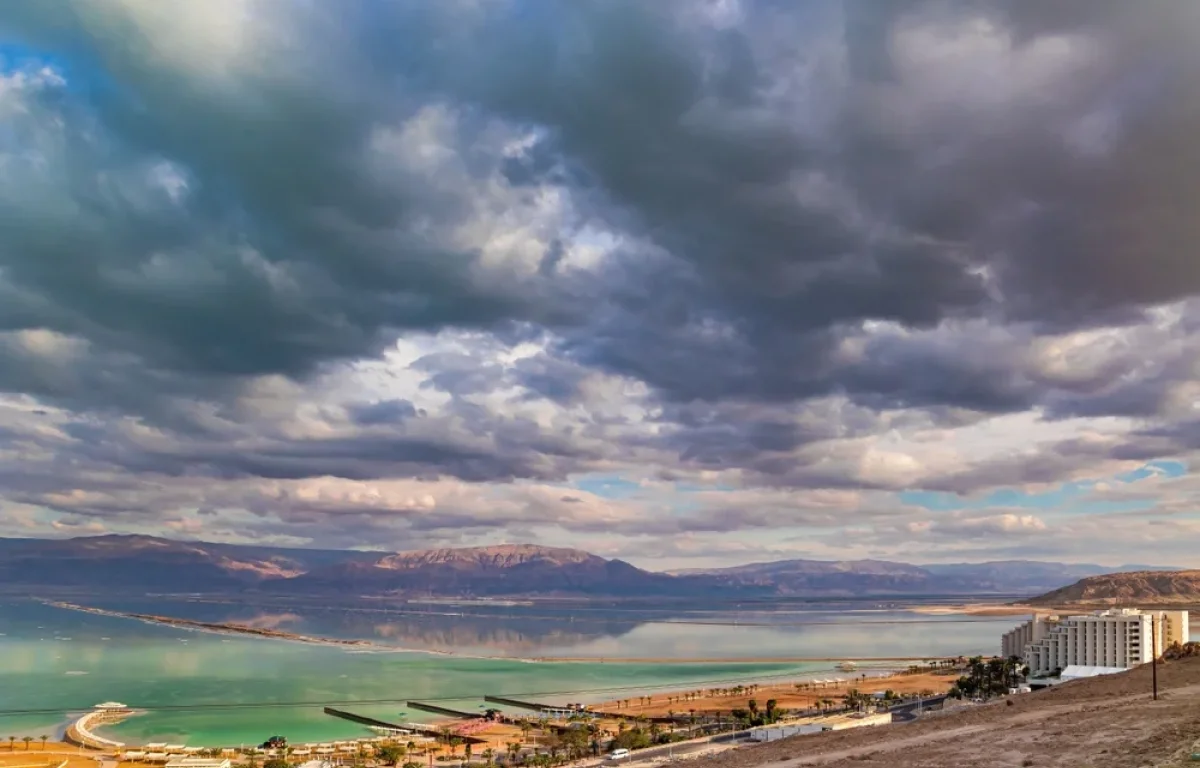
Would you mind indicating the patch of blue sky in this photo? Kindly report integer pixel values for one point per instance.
(82, 72)
(1155, 469)
(1063, 495)
(607, 486)
(15, 57)
(938, 501)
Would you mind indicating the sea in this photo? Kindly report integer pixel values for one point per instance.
(203, 688)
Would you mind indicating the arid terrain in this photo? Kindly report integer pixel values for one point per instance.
(1180, 588)
(1106, 722)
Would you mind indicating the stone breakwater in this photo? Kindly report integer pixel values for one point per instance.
(80, 731)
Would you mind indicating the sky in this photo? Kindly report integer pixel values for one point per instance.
(685, 282)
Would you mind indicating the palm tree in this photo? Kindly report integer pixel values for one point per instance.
(26, 739)
(43, 738)
(12, 743)
(488, 754)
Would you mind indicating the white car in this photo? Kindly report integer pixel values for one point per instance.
(618, 754)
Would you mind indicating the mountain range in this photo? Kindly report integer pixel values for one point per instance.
(146, 564)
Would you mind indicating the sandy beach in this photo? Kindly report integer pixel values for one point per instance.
(787, 695)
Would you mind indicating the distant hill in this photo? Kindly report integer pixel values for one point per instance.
(828, 578)
(151, 564)
(856, 577)
(134, 565)
(1144, 587)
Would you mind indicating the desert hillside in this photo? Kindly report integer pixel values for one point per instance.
(1103, 722)
(1135, 588)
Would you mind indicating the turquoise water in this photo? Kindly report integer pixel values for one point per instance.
(240, 690)
(52, 659)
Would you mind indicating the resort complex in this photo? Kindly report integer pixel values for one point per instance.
(1104, 641)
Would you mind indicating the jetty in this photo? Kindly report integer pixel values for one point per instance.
(80, 731)
(572, 710)
(373, 722)
(446, 711)
(551, 710)
(517, 703)
(364, 720)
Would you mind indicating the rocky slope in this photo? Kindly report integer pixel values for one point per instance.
(1134, 588)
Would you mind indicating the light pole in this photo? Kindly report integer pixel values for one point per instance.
(1154, 656)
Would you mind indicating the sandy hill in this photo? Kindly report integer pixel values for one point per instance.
(1105, 722)
(1136, 588)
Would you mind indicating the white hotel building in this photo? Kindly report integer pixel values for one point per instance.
(1112, 639)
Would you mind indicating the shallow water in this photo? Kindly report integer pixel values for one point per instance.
(235, 690)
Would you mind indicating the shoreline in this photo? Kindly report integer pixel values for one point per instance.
(981, 609)
(225, 628)
(1024, 609)
(803, 692)
(241, 630)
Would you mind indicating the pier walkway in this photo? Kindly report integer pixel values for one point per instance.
(80, 731)
(546, 709)
(420, 728)
(446, 711)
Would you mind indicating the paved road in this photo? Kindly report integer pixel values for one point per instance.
(658, 753)
(908, 712)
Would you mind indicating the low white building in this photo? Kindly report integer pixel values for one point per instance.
(1076, 672)
(199, 762)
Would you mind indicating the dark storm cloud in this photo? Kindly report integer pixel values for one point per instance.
(1058, 196)
(383, 412)
(287, 251)
(779, 185)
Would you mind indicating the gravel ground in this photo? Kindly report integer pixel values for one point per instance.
(1106, 722)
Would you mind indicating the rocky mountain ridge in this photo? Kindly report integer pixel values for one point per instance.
(147, 564)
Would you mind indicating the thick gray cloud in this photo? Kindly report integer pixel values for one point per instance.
(756, 242)
(802, 170)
